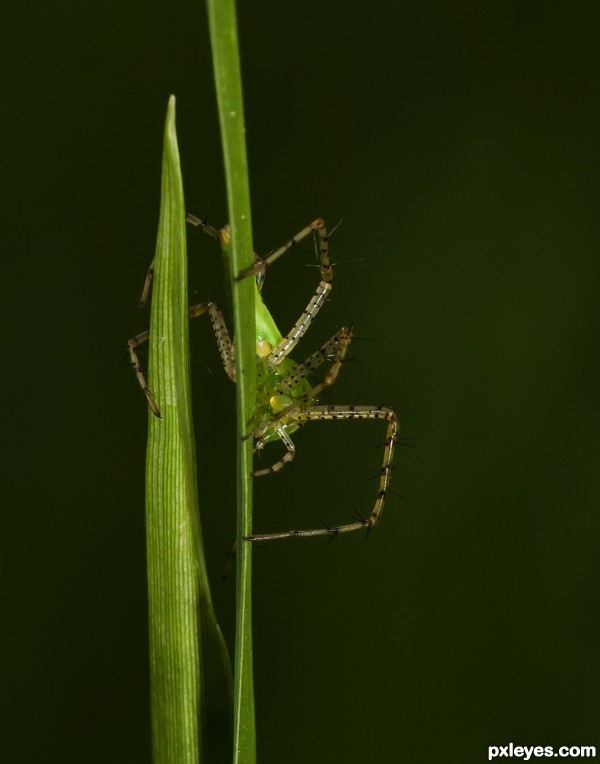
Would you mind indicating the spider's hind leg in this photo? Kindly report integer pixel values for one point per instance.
(320, 413)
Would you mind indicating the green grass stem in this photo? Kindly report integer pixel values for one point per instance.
(226, 62)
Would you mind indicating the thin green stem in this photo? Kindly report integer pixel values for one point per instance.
(226, 61)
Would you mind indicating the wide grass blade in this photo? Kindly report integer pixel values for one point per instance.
(190, 673)
(226, 62)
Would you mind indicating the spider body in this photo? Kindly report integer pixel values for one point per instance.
(272, 397)
(285, 398)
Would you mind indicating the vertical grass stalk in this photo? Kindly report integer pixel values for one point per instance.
(226, 62)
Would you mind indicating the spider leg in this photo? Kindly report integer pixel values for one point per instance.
(224, 343)
(199, 223)
(317, 225)
(147, 284)
(286, 458)
(132, 346)
(325, 352)
(281, 350)
(289, 342)
(321, 413)
(222, 235)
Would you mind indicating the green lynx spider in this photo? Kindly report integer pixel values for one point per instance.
(285, 399)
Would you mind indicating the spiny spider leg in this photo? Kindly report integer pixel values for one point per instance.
(289, 342)
(226, 348)
(224, 343)
(317, 225)
(209, 230)
(199, 223)
(132, 346)
(321, 413)
(281, 350)
(303, 370)
(147, 285)
(285, 459)
(223, 235)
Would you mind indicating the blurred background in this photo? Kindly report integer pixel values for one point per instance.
(458, 143)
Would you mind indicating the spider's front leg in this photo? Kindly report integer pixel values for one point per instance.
(199, 223)
(287, 344)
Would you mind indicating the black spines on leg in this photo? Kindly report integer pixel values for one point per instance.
(332, 530)
(356, 515)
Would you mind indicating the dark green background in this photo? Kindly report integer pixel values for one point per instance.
(459, 143)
